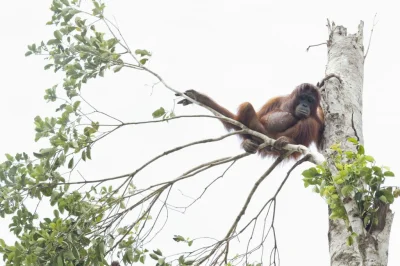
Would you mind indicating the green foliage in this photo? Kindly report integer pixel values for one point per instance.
(76, 234)
(159, 112)
(357, 178)
(179, 238)
(78, 49)
(350, 239)
(144, 55)
(163, 114)
(79, 232)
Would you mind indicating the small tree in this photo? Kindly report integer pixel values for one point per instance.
(92, 219)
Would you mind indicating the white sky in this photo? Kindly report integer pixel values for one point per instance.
(234, 51)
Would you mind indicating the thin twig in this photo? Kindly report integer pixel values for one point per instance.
(246, 204)
(154, 159)
(314, 45)
(329, 26)
(272, 200)
(370, 36)
(156, 121)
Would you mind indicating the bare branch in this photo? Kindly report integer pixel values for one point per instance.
(243, 210)
(154, 159)
(315, 45)
(156, 121)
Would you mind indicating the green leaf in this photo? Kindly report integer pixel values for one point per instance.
(336, 147)
(388, 195)
(369, 158)
(71, 163)
(178, 238)
(75, 145)
(360, 149)
(89, 152)
(28, 53)
(76, 105)
(377, 171)
(161, 261)
(142, 52)
(338, 180)
(143, 61)
(69, 108)
(346, 190)
(390, 198)
(349, 240)
(65, 2)
(60, 261)
(102, 249)
(158, 252)
(353, 140)
(79, 38)
(48, 152)
(118, 68)
(349, 154)
(2, 243)
(312, 172)
(47, 66)
(58, 35)
(69, 255)
(38, 155)
(159, 112)
(388, 173)
(383, 199)
(53, 42)
(339, 166)
(154, 256)
(9, 157)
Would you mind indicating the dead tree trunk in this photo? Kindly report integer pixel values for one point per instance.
(342, 104)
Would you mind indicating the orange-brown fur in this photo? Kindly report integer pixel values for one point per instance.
(271, 118)
(305, 131)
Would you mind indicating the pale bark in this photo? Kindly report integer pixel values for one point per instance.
(342, 104)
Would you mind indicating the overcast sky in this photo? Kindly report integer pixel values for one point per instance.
(234, 51)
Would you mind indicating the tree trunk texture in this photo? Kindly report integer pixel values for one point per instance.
(342, 104)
